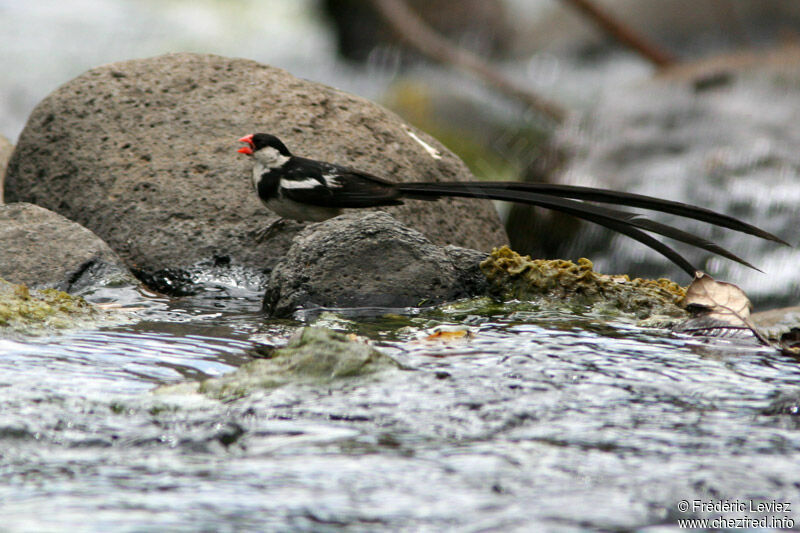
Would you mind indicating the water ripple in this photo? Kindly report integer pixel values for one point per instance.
(115, 361)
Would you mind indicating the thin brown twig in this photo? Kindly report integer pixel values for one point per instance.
(411, 28)
(624, 34)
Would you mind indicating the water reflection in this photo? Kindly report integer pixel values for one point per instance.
(525, 424)
(118, 362)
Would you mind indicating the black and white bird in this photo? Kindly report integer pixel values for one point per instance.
(307, 190)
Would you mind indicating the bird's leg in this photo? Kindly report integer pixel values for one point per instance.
(265, 233)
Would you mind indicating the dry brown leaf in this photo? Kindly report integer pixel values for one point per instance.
(718, 299)
(719, 304)
(449, 334)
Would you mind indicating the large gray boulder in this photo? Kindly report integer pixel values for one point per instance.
(143, 153)
(369, 260)
(44, 250)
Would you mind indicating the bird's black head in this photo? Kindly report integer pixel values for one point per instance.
(257, 141)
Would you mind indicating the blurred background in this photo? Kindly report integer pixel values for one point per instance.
(692, 100)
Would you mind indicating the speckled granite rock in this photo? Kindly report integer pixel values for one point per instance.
(143, 153)
(42, 249)
(369, 260)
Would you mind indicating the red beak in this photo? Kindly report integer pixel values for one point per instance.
(247, 150)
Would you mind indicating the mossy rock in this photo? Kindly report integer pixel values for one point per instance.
(565, 283)
(28, 311)
(313, 355)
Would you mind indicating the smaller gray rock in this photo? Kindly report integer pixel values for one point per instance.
(367, 260)
(44, 250)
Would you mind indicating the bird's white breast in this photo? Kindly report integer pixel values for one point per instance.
(286, 208)
(258, 171)
(267, 159)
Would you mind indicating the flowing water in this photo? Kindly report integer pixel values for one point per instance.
(540, 420)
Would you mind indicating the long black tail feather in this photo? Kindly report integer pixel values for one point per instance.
(629, 199)
(559, 198)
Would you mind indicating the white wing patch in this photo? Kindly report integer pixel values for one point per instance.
(332, 180)
(308, 183)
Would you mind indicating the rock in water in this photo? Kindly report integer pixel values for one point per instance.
(312, 356)
(369, 260)
(44, 250)
(143, 153)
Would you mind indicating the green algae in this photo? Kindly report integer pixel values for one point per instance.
(313, 355)
(564, 283)
(34, 312)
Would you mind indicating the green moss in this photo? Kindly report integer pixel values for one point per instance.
(27, 311)
(482, 306)
(313, 355)
(563, 282)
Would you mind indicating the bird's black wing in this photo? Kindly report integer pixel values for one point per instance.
(327, 185)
